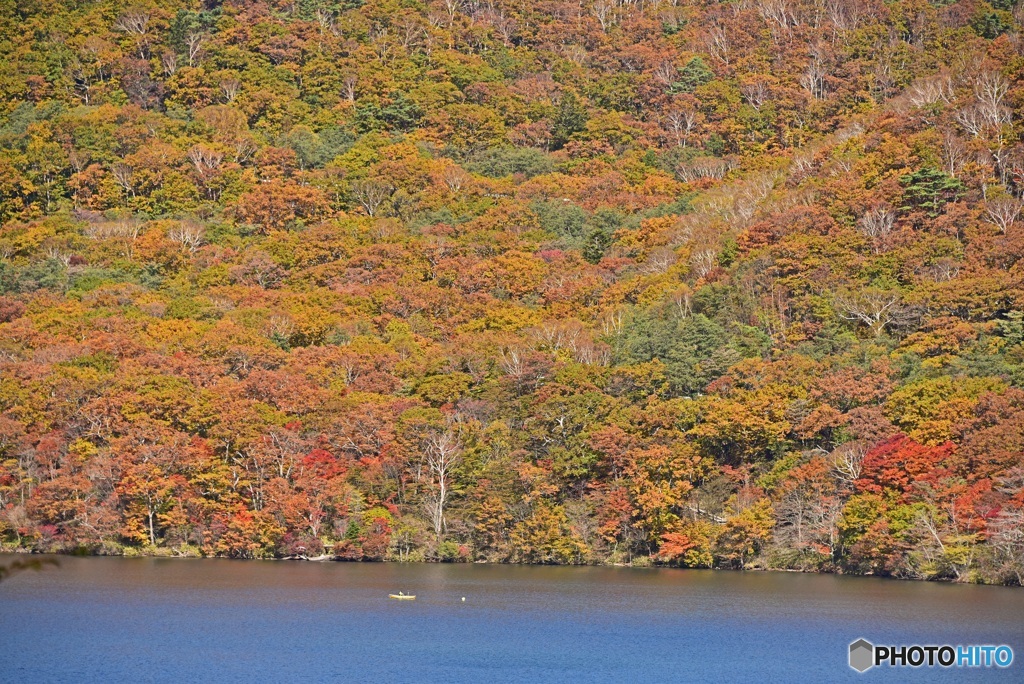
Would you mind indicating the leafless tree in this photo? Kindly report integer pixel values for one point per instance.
(123, 174)
(189, 235)
(1003, 212)
(592, 353)
(128, 228)
(169, 61)
(135, 21)
(604, 11)
(939, 526)
(280, 325)
(325, 21)
(442, 450)
(717, 42)
(703, 167)
(205, 160)
(990, 88)
(230, 87)
(808, 517)
(988, 114)
(244, 149)
(94, 50)
(454, 178)
(505, 26)
(878, 309)
(436, 19)
(972, 120)
(846, 462)
(452, 7)
(380, 38)
(613, 323)
(751, 195)
(814, 77)
(410, 34)
(755, 94)
(512, 362)
(59, 255)
(844, 15)
(553, 335)
(666, 73)
(930, 90)
(681, 122)
(703, 262)
(954, 153)
(658, 261)
(371, 194)
(942, 270)
(802, 166)
(884, 72)
(779, 15)
(1006, 535)
(876, 224)
(349, 88)
(195, 42)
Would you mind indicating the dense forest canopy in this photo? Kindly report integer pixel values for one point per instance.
(711, 284)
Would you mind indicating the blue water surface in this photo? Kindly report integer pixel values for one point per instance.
(183, 620)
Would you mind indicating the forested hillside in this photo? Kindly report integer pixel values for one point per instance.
(711, 284)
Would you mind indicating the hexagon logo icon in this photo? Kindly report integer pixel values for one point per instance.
(862, 655)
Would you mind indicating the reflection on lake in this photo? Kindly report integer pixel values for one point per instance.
(114, 619)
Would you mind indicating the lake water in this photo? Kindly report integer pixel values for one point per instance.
(114, 619)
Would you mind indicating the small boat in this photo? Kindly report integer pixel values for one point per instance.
(403, 597)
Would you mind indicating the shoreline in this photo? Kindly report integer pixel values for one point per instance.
(328, 558)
